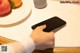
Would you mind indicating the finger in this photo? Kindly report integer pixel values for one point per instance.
(51, 43)
(52, 33)
(42, 27)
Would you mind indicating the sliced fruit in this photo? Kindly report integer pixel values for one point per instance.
(15, 3)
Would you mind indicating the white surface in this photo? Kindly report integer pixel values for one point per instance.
(68, 36)
(17, 14)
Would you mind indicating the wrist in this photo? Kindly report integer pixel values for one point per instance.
(28, 43)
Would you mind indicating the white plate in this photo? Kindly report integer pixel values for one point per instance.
(17, 14)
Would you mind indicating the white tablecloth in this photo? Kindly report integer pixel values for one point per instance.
(69, 36)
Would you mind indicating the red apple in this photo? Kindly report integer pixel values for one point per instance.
(0, 1)
(4, 7)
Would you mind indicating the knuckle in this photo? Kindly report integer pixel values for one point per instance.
(37, 27)
(52, 33)
(50, 43)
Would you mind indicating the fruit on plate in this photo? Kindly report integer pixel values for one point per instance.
(15, 3)
(5, 7)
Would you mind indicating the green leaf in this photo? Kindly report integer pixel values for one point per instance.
(12, 4)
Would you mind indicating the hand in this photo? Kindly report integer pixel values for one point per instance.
(42, 40)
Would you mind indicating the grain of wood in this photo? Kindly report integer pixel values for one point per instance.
(60, 50)
(4, 40)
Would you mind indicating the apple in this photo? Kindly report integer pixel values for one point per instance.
(5, 7)
(0, 1)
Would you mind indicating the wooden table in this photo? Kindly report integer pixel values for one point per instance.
(60, 50)
(50, 50)
(4, 40)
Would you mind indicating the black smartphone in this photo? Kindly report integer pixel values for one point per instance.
(51, 24)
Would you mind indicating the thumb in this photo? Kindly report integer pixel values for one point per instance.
(42, 27)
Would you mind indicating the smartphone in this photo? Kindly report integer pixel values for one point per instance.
(51, 24)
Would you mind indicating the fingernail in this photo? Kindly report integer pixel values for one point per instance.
(44, 25)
